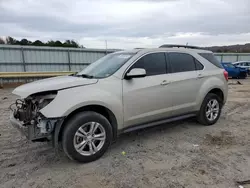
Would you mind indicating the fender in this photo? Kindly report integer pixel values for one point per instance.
(209, 84)
(69, 100)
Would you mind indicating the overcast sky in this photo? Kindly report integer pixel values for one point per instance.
(128, 23)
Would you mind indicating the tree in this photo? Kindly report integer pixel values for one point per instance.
(37, 43)
(25, 42)
(74, 44)
(71, 43)
(67, 43)
(50, 43)
(2, 41)
(58, 44)
(10, 40)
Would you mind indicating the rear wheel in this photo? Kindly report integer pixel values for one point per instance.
(243, 75)
(210, 109)
(86, 137)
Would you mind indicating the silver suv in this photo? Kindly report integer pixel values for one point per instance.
(121, 92)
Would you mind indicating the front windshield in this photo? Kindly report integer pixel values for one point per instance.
(107, 65)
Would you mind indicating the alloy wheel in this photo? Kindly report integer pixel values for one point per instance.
(212, 109)
(89, 138)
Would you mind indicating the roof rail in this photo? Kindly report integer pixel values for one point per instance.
(179, 46)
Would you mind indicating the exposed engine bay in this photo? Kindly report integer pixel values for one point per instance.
(27, 112)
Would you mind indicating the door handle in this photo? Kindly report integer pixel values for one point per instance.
(200, 76)
(165, 82)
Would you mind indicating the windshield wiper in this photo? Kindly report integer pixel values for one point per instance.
(85, 76)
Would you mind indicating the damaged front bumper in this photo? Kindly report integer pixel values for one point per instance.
(35, 132)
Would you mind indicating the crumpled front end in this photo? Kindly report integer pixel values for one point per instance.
(27, 118)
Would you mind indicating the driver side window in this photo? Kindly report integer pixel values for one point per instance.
(154, 64)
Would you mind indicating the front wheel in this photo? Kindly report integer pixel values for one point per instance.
(210, 109)
(86, 137)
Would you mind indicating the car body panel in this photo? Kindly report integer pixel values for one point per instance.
(106, 92)
(146, 99)
(51, 84)
(210, 81)
(183, 88)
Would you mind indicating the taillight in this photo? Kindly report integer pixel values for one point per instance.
(225, 75)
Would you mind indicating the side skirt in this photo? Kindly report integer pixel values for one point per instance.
(154, 123)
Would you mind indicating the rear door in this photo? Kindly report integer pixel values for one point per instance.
(185, 81)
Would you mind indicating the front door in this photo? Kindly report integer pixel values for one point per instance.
(146, 99)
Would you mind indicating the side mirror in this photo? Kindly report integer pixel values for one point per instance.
(136, 73)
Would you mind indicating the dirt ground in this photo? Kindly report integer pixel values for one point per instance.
(180, 154)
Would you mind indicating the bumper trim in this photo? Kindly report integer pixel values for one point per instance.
(17, 124)
(28, 131)
(32, 133)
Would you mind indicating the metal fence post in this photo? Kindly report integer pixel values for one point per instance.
(237, 57)
(69, 60)
(23, 59)
(221, 60)
(24, 66)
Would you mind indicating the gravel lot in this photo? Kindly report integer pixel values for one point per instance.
(180, 154)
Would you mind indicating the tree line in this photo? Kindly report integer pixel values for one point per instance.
(51, 43)
(238, 48)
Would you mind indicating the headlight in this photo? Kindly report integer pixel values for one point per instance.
(43, 99)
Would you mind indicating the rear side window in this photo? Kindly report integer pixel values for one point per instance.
(247, 64)
(212, 59)
(154, 64)
(229, 65)
(198, 65)
(181, 62)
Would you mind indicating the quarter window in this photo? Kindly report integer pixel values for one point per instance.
(198, 65)
(212, 59)
(181, 62)
(154, 64)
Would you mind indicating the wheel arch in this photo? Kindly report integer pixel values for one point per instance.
(107, 113)
(218, 92)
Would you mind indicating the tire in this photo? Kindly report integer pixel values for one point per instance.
(243, 76)
(202, 117)
(71, 140)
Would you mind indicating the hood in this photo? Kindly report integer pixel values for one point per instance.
(51, 84)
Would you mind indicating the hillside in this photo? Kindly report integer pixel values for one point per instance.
(240, 48)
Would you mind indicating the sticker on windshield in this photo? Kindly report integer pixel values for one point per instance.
(124, 56)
